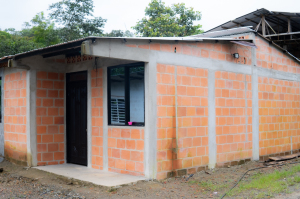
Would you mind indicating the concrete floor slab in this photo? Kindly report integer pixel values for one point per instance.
(103, 178)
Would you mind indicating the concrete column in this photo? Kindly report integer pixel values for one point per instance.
(65, 116)
(212, 142)
(246, 109)
(2, 114)
(150, 138)
(255, 115)
(31, 118)
(105, 121)
(89, 117)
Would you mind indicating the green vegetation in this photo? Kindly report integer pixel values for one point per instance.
(165, 21)
(275, 182)
(14, 43)
(119, 33)
(209, 186)
(74, 19)
(259, 185)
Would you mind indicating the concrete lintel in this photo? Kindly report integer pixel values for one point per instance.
(80, 66)
(107, 62)
(40, 64)
(212, 145)
(117, 49)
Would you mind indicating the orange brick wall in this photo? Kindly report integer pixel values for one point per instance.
(192, 112)
(126, 150)
(270, 57)
(97, 118)
(50, 117)
(279, 109)
(212, 50)
(234, 139)
(278, 112)
(15, 117)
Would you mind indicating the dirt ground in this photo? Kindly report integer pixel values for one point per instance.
(20, 182)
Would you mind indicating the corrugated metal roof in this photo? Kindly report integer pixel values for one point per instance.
(276, 22)
(244, 43)
(253, 18)
(195, 38)
(189, 38)
(222, 33)
(77, 43)
(279, 47)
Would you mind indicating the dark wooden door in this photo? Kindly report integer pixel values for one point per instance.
(77, 118)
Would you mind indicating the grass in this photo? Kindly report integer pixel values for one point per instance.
(209, 186)
(272, 183)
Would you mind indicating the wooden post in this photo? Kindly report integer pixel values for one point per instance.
(290, 27)
(263, 24)
(257, 27)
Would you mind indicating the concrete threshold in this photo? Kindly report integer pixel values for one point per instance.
(103, 178)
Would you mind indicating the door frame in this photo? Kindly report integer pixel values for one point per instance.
(87, 116)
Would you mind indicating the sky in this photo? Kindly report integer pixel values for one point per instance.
(123, 14)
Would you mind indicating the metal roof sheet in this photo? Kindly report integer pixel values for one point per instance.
(253, 18)
(245, 43)
(222, 33)
(77, 43)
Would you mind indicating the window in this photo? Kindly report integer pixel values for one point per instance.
(126, 95)
(117, 111)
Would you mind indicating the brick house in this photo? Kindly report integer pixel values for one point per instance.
(193, 103)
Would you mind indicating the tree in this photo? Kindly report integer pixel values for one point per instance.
(12, 44)
(165, 21)
(119, 33)
(41, 30)
(76, 18)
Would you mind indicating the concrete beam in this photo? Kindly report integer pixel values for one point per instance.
(199, 62)
(278, 74)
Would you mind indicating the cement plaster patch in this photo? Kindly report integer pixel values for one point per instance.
(103, 178)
